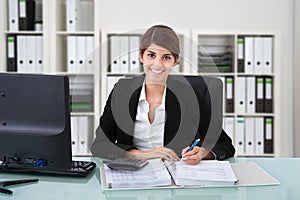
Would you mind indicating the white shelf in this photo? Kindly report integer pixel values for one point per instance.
(24, 32)
(91, 114)
(66, 33)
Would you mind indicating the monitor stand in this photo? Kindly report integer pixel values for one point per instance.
(7, 183)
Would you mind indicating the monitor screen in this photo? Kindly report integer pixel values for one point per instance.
(35, 122)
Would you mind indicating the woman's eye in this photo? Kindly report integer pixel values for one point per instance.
(167, 57)
(151, 55)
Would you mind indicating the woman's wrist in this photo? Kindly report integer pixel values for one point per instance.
(206, 154)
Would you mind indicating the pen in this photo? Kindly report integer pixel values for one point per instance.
(193, 145)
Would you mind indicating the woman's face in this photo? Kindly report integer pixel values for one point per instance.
(157, 62)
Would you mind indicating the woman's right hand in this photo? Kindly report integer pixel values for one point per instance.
(160, 152)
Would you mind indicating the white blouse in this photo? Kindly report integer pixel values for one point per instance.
(148, 135)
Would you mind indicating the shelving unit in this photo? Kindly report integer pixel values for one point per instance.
(82, 81)
(55, 58)
(218, 38)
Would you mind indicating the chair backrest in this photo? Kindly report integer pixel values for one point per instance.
(211, 89)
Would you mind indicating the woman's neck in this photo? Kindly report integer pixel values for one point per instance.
(154, 93)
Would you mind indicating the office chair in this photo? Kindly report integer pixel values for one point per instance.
(209, 88)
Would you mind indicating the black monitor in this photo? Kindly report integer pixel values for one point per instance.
(35, 122)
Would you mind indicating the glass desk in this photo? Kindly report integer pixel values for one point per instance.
(285, 170)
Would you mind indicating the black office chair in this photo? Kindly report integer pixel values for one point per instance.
(211, 89)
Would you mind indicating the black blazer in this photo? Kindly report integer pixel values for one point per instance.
(188, 116)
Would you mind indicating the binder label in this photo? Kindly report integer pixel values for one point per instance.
(22, 8)
(11, 47)
(269, 129)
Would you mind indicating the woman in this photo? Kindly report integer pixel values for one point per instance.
(155, 115)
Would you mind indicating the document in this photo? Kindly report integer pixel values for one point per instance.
(206, 173)
(160, 173)
(152, 175)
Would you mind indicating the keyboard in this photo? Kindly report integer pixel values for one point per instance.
(79, 169)
(82, 167)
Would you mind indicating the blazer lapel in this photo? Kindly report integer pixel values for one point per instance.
(173, 114)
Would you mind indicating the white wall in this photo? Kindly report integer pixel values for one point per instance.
(296, 77)
(235, 15)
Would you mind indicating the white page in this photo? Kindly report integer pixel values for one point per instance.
(210, 172)
(153, 174)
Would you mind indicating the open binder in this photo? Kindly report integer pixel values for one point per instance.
(166, 174)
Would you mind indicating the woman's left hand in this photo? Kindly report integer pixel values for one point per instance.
(196, 155)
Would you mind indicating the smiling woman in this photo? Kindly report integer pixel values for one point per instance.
(157, 62)
(159, 53)
(155, 115)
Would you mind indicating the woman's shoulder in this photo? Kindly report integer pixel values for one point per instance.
(131, 83)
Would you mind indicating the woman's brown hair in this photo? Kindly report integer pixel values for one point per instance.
(163, 36)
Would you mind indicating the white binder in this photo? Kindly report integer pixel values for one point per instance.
(124, 54)
(241, 95)
(73, 18)
(259, 136)
(71, 53)
(30, 53)
(224, 92)
(13, 15)
(239, 136)
(250, 97)
(115, 53)
(90, 54)
(229, 126)
(81, 61)
(39, 54)
(268, 51)
(258, 54)
(83, 132)
(86, 17)
(134, 60)
(21, 53)
(110, 80)
(74, 135)
(249, 53)
(249, 136)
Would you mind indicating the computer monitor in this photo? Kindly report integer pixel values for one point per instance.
(34, 122)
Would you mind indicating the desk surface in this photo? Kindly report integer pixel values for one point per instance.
(285, 170)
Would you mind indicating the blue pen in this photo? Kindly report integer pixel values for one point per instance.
(193, 145)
